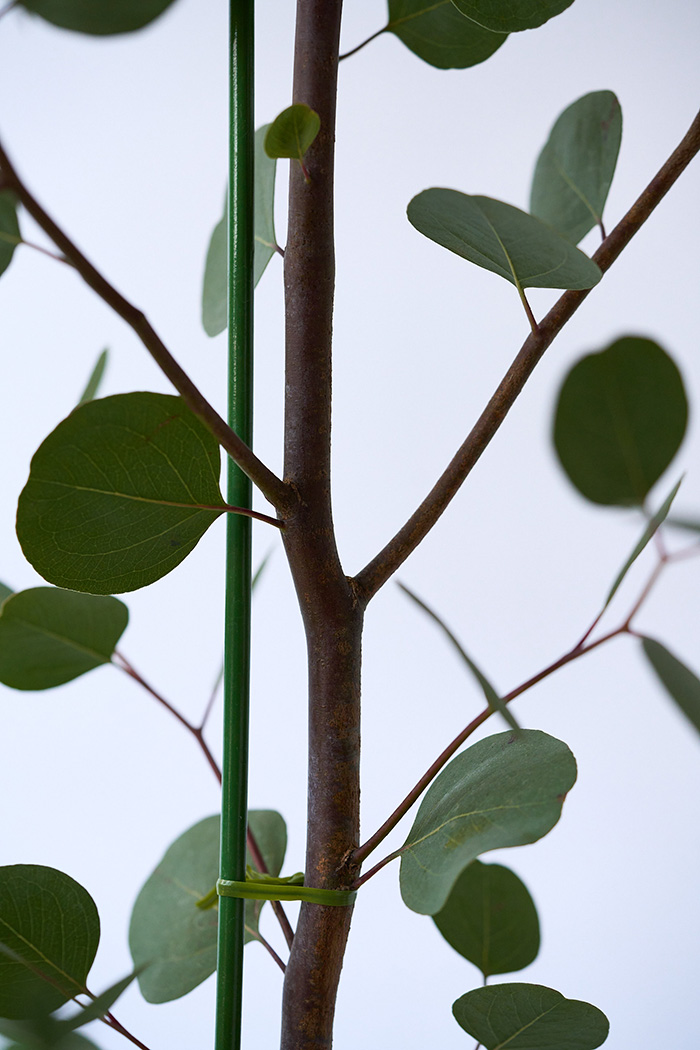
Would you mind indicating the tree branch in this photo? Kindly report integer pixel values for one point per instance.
(331, 613)
(279, 494)
(381, 568)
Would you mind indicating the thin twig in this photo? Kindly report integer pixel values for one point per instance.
(363, 44)
(580, 649)
(197, 732)
(273, 488)
(123, 664)
(382, 567)
(110, 1020)
(417, 790)
(212, 697)
(10, 238)
(256, 934)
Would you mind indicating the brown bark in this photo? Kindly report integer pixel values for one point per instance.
(331, 613)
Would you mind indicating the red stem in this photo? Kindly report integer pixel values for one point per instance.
(197, 733)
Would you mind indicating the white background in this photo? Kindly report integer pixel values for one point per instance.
(124, 142)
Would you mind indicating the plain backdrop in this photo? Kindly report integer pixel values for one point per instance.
(124, 141)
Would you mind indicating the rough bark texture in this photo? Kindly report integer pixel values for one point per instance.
(331, 613)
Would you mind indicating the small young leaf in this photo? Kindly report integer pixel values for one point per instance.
(490, 919)
(49, 636)
(99, 18)
(292, 132)
(214, 302)
(5, 592)
(576, 166)
(652, 525)
(679, 681)
(93, 383)
(529, 1017)
(506, 790)
(120, 493)
(504, 16)
(439, 35)
(173, 941)
(10, 236)
(492, 698)
(501, 238)
(620, 419)
(49, 930)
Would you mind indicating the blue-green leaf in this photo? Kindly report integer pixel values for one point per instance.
(504, 16)
(214, 308)
(576, 166)
(503, 791)
(620, 419)
(172, 941)
(502, 239)
(49, 932)
(438, 34)
(10, 236)
(98, 17)
(49, 636)
(652, 525)
(679, 681)
(93, 383)
(492, 698)
(490, 919)
(120, 493)
(529, 1017)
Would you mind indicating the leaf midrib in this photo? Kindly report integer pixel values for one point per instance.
(128, 496)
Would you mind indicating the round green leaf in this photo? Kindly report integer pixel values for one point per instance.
(292, 132)
(501, 238)
(10, 236)
(504, 791)
(440, 35)
(49, 932)
(620, 419)
(679, 681)
(49, 636)
(172, 939)
(504, 16)
(529, 1017)
(576, 166)
(119, 493)
(490, 919)
(98, 17)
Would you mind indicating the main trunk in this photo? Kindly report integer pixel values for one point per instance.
(331, 612)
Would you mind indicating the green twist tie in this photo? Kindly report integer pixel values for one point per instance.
(269, 888)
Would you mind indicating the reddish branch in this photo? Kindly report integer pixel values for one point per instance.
(379, 570)
(269, 484)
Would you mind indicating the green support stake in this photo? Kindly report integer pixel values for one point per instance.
(238, 558)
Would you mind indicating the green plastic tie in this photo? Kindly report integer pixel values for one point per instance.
(270, 888)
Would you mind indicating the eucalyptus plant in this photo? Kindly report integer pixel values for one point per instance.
(120, 493)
